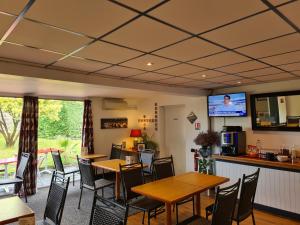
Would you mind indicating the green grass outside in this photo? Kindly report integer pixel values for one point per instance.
(68, 156)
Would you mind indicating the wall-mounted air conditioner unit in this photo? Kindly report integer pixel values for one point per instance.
(116, 104)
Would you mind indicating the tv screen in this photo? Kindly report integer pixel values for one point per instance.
(227, 105)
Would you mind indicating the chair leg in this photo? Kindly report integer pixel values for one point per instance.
(148, 217)
(102, 192)
(81, 188)
(193, 202)
(24, 189)
(176, 213)
(143, 220)
(253, 219)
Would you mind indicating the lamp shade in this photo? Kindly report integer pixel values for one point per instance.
(135, 133)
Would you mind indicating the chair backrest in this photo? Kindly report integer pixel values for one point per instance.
(115, 151)
(86, 172)
(147, 157)
(56, 199)
(131, 176)
(224, 206)
(106, 212)
(248, 190)
(22, 165)
(163, 167)
(57, 161)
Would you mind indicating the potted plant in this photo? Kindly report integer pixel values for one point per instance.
(206, 140)
(149, 142)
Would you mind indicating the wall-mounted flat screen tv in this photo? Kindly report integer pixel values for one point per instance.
(227, 105)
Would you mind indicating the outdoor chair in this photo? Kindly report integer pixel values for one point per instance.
(55, 200)
(59, 167)
(88, 179)
(19, 180)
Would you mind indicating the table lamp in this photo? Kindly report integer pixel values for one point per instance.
(135, 133)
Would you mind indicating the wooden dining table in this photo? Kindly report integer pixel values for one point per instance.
(93, 156)
(13, 209)
(174, 189)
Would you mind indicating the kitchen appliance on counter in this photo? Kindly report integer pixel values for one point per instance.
(233, 141)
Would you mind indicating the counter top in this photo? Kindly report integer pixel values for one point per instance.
(288, 166)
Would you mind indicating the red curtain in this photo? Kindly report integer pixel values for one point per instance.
(28, 141)
(87, 127)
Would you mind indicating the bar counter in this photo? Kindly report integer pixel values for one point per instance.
(287, 166)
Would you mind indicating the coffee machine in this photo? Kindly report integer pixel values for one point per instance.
(233, 141)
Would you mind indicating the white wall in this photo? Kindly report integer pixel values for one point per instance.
(270, 139)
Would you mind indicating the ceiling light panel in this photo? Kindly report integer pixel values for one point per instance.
(146, 35)
(261, 72)
(120, 71)
(261, 27)
(28, 54)
(93, 18)
(283, 58)
(190, 49)
(150, 76)
(141, 62)
(292, 12)
(198, 16)
(40, 36)
(180, 69)
(244, 66)
(220, 59)
(106, 52)
(140, 5)
(273, 47)
(81, 64)
(13, 6)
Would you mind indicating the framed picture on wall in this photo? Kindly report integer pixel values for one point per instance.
(141, 146)
(114, 123)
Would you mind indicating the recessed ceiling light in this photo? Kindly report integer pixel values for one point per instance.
(239, 82)
(203, 75)
(149, 64)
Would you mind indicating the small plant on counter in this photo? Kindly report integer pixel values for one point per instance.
(149, 142)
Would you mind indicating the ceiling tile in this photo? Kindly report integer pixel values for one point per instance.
(224, 78)
(141, 62)
(297, 72)
(277, 2)
(140, 5)
(207, 74)
(198, 16)
(93, 18)
(260, 72)
(120, 71)
(240, 82)
(283, 58)
(291, 66)
(215, 85)
(28, 54)
(280, 76)
(6, 21)
(106, 52)
(40, 36)
(190, 49)
(180, 69)
(263, 26)
(292, 12)
(146, 35)
(221, 59)
(81, 64)
(198, 83)
(272, 47)
(175, 80)
(150, 76)
(12, 6)
(244, 66)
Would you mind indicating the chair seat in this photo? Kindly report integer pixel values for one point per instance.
(101, 183)
(10, 181)
(145, 204)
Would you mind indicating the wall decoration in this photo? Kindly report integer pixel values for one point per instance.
(145, 121)
(192, 117)
(197, 126)
(141, 146)
(114, 123)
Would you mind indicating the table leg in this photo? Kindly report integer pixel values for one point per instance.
(117, 186)
(168, 207)
(198, 205)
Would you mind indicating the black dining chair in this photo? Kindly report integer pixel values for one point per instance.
(105, 212)
(245, 204)
(131, 176)
(19, 180)
(147, 157)
(88, 179)
(59, 166)
(115, 152)
(56, 200)
(163, 168)
(223, 208)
